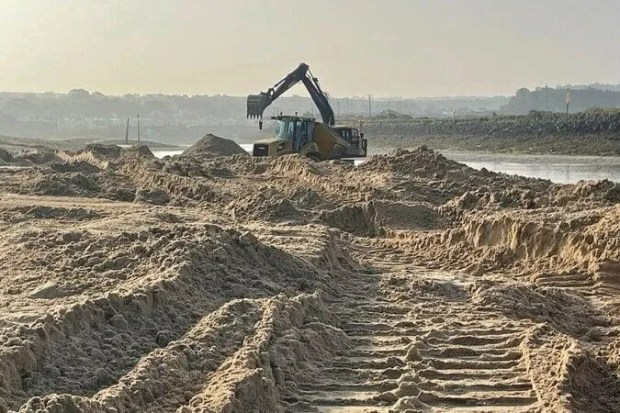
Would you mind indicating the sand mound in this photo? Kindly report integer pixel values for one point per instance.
(139, 150)
(39, 157)
(78, 166)
(5, 156)
(263, 206)
(75, 177)
(423, 175)
(211, 145)
(538, 243)
(65, 185)
(156, 196)
(604, 190)
(104, 151)
(177, 179)
(421, 162)
(152, 278)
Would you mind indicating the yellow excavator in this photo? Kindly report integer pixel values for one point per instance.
(305, 135)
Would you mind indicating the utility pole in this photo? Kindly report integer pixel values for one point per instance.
(338, 103)
(567, 100)
(127, 133)
(369, 106)
(138, 128)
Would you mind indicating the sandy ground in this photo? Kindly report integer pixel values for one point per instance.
(232, 284)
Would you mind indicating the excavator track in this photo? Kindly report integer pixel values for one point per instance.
(427, 352)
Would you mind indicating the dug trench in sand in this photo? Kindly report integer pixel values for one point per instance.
(210, 283)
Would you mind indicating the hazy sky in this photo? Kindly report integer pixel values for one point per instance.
(356, 47)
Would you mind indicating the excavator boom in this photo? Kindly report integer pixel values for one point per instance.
(257, 104)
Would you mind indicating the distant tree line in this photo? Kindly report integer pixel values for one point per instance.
(183, 118)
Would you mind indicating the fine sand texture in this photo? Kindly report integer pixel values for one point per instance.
(217, 282)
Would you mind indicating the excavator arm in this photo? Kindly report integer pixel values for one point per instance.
(258, 103)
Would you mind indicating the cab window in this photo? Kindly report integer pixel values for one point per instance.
(285, 129)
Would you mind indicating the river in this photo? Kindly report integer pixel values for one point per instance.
(557, 168)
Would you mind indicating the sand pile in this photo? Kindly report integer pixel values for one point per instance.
(38, 157)
(211, 145)
(139, 150)
(603, 191)
(295, 165)
(156, 196)
(104, 151)
(153, 175)
(78, 166)
(63, 185)
(74, 178)
(242, 377)
(421, 163)
(423, 175)
(98, 155)
(5, 156)
(264, 206)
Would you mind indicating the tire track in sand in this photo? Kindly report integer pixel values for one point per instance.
(425, 349)
(600, 284)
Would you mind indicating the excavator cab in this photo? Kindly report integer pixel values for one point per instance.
(296, 129)
(292, 134)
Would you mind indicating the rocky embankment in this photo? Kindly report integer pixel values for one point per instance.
(592, 133)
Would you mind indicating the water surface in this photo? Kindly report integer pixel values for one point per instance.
(557, 168)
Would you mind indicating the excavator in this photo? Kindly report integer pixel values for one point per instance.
(305, 135)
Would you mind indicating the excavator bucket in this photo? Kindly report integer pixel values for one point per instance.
(257, 104)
